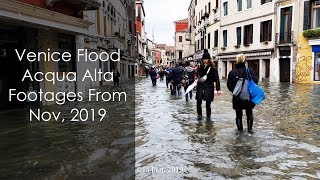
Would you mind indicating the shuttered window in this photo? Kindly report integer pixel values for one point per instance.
(265, 31)
(225, 38)
(248, 34)
(238, 35)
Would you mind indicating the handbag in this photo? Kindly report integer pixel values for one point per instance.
(204, 78)
(256, 93)
(241, 91)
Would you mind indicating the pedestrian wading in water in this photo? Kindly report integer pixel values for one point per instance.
(190, 74)
(116, 76)
(238, 104)
(205, 89)
(153, 75)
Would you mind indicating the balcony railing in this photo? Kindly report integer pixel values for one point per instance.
(284, 38)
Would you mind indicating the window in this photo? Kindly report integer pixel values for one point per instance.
(265, 31)
(315, 14)
(238, 35)
(66, 44)
(209, 7)
(239, 5)
(249, 4)
(195, 2)
(180, 54)
(225, 38)
(265, 1)
(216, 38)
(285, 25)
(209, 39)
(317, 66)
(225, 8)
(217, 4)
(180, 38)
(248, 34)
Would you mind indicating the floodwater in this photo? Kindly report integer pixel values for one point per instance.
(169, 142)
(70, 150)
(172, 144)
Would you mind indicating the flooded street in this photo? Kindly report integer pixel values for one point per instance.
(172, 144)
(70, 150)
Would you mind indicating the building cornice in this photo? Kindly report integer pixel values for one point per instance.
(26, 12)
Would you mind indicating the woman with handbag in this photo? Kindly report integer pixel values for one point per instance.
(239, 105)
(207, 75)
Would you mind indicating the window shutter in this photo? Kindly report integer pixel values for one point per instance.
(261, 31)
(306, 15)
(270, 30)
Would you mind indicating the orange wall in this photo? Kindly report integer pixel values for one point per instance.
(181, 27)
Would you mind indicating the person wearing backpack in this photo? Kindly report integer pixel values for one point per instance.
(238, 104)
(189, 73)
(207, 75)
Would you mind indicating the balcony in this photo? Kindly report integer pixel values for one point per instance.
(114, 42)
(284, 38)
(80, 4)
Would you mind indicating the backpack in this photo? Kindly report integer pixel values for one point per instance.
(185, 78)
(191, 77)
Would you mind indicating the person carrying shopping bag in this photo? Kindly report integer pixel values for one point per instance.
(239, 104)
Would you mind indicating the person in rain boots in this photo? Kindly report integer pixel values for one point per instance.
(239, 105)
(205, 90)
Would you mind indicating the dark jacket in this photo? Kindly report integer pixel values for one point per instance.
(153, 74)
(205, 90)
(233, 77)
(176, 74)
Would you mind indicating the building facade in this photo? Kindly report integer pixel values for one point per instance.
(181, 45)
(42, 26)
(307, 67)
(141, 37)
(247, 27)
(206, 27)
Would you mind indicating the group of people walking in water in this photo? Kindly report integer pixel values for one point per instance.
(206, 78)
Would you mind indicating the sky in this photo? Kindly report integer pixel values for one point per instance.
(160, 15)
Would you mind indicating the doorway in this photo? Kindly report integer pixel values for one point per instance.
(284, 69)
(254, 65)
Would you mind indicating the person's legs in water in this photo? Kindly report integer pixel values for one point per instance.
(239, 120)
(249, 120)
(186, 95)
(199, 109)
(208, 108)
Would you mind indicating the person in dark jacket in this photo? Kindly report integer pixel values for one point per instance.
(205, 90)
(190, 72)
(116, 76)
(239, 105)
(153, 75)
(176, 75)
